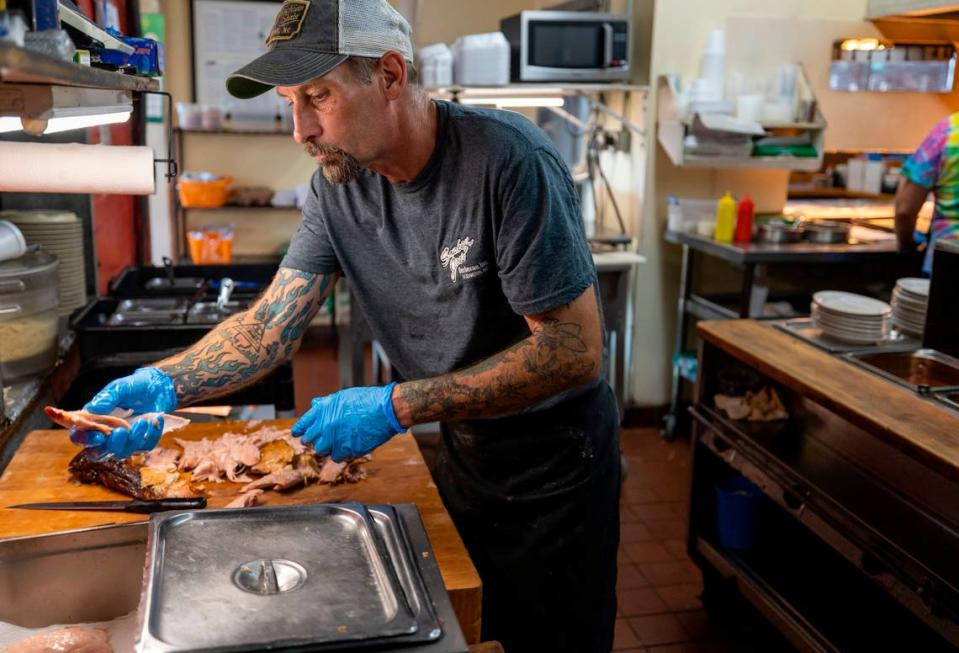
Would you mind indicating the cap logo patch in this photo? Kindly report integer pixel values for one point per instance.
(289, 21)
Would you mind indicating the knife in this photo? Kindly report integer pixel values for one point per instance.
(139, 506)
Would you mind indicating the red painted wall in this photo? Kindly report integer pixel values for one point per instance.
(115, 218)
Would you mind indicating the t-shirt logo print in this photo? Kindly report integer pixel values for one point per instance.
(454, 257)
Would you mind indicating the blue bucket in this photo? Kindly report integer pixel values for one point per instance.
(738, 502)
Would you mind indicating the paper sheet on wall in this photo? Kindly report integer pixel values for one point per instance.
(228, 34)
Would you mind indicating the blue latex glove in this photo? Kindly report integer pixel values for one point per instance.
(142, 435)
(350, 423)
(147, 390)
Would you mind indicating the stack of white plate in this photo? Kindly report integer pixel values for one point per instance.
(61, 234)
(851, 318)
(909, 300)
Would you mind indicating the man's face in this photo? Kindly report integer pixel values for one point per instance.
(334, 119)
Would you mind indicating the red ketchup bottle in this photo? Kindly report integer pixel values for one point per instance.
(744, 220)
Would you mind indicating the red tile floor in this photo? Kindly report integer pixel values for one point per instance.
(659, 587)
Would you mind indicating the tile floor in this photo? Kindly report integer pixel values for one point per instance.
(659, 587)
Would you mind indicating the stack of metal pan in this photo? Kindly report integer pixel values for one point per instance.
(910, 299)
(851, 318)
(324, 577)
(61, 234)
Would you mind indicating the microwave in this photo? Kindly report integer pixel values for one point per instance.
(567, 46)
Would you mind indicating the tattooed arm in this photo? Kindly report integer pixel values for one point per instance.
(564, 351)
(247, 346)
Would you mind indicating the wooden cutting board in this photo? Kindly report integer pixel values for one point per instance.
(397, 474)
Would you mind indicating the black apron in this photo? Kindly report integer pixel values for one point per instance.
(535, 498)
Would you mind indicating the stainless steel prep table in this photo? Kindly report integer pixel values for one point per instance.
(752, 259)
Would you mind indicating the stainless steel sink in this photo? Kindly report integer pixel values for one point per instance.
(213, 312)
(153, 305)
(950, 399)
(178, 283)
(97, 575)
(922, 370)
(81, 576)
(146, 318)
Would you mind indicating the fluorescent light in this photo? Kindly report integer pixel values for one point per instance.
(504, 102)
(61, 123)
(52, 109)
(66, 123)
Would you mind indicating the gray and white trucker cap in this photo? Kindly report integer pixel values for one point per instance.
(310, 38)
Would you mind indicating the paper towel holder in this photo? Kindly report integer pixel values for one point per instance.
(170, 161)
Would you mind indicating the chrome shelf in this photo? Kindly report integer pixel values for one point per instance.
(18, 65)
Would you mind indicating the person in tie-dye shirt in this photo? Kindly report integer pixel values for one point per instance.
(934, 166)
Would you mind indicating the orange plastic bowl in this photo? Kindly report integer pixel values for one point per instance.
(195, 194)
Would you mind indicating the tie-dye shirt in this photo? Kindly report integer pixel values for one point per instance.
(935, 165)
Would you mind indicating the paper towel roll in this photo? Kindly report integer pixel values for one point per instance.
(76, 168)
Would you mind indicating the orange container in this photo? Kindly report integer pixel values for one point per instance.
(200, 194)
(211, 245)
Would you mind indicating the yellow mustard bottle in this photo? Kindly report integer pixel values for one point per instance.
(725, 218)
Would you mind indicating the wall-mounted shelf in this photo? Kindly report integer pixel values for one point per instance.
(236, 132)
(21, 66)
(836, 193)
(232, 207)
(674, 127)
(533, 90)
(809, 164)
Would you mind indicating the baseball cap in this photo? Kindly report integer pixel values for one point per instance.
(310, 38)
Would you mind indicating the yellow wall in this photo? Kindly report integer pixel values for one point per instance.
(758, 33)
(680, 29)
(273, 161)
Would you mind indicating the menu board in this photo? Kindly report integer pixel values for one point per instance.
(228, 34)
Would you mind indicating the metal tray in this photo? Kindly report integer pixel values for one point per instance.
(805, 330)
(950, 399)
(97, 338)
(212, 312)
(193, 280)
(153, 305)
(95, 574)
(306, 578)
(145, 319)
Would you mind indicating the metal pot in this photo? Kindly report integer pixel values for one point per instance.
(778, 232)
(827, 232)
(29, 325)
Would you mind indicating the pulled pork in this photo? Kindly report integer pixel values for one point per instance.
(267, 459)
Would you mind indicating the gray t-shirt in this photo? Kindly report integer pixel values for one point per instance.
(445, 266)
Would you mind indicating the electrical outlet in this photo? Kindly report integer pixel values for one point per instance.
(622, 141)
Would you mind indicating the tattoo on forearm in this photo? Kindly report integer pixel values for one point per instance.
(248, 345)
(555, 357)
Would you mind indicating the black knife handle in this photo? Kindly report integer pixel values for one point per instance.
(146, 506)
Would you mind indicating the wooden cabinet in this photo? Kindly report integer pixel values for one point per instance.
(856, 523)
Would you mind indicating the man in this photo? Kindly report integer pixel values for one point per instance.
(460, 233)
(934, 166)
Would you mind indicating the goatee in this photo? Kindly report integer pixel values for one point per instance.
(337, 166)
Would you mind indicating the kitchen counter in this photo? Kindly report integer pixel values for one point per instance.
(858, 263)
(24, 401)
(801, 252)
(918, 427)
(397, 474)
(855, 498)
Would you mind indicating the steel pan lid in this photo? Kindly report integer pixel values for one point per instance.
(35, 261)
(237, 580)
